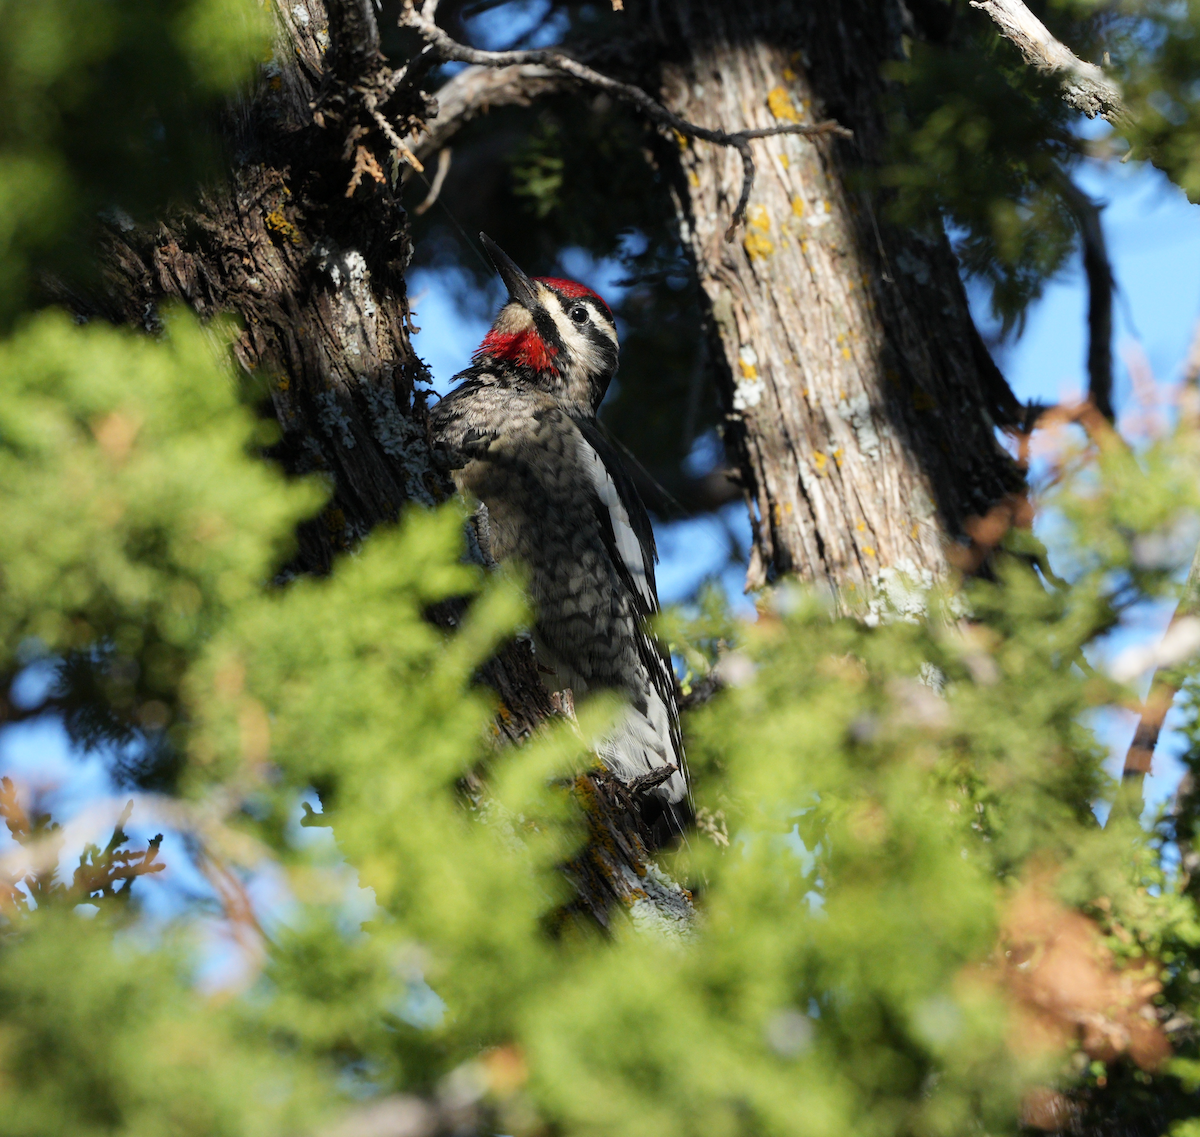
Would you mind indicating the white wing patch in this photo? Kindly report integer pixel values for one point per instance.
(629, 548)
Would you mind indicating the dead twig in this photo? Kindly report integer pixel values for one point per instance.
(364, 163)
(439, 179)
(423, 21)
(34, 863)
(1084, 86)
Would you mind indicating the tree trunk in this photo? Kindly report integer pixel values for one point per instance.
(308, 244)
(860, 402)
(316, 277)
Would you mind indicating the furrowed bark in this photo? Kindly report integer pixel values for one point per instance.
(314, 272)
(860, 402)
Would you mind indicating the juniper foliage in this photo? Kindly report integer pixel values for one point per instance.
(909, 920)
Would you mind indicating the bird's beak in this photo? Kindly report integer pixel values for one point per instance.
(520, 287)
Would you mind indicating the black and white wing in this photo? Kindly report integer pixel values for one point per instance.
(649, 738)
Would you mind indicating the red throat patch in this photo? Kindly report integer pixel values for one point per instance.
(524, 348)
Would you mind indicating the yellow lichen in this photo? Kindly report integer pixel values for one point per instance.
(861, 526)
(789, 75)
(785, 161)
(748, 370)
(798, 205)
(780, 104)
(845, 353)
(758, 216)
(837, 457)
(757, 245)
(680, 139)
(693, 179)
(283, 383)
(819, 461)
(868, 550)
(277, 223)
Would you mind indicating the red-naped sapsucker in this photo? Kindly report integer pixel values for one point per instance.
(519, 434)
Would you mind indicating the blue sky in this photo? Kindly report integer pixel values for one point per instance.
(1153, 236)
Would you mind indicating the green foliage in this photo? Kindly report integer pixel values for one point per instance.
(892, 788)
(900, 830)
(1159, 54)
(106, 107)
(137, 519)
(984, 141)
(99, 1036)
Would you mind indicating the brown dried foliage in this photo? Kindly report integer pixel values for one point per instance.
(101, 873)
(1065, 986)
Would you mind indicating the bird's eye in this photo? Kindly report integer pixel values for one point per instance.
(579, 314)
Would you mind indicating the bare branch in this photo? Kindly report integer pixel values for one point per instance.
(439, 180)
(475, 91)
(449, 48)
(1100, 297)
(1163, 689)
(1084, 86)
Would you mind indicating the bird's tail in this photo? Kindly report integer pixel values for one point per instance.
(645, 752)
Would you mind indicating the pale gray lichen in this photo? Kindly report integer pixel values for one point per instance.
(900, 593)
(347, 272)
(333, 418)
(932, 677)
(401, 438)
(665, 909)
(749, 388)
(857, 412)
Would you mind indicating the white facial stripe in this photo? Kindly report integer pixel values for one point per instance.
(577, 343)
(602, 322)
(574, 335)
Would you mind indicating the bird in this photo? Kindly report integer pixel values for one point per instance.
(519, 434)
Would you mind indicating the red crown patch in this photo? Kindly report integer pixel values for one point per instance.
(572, 290)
